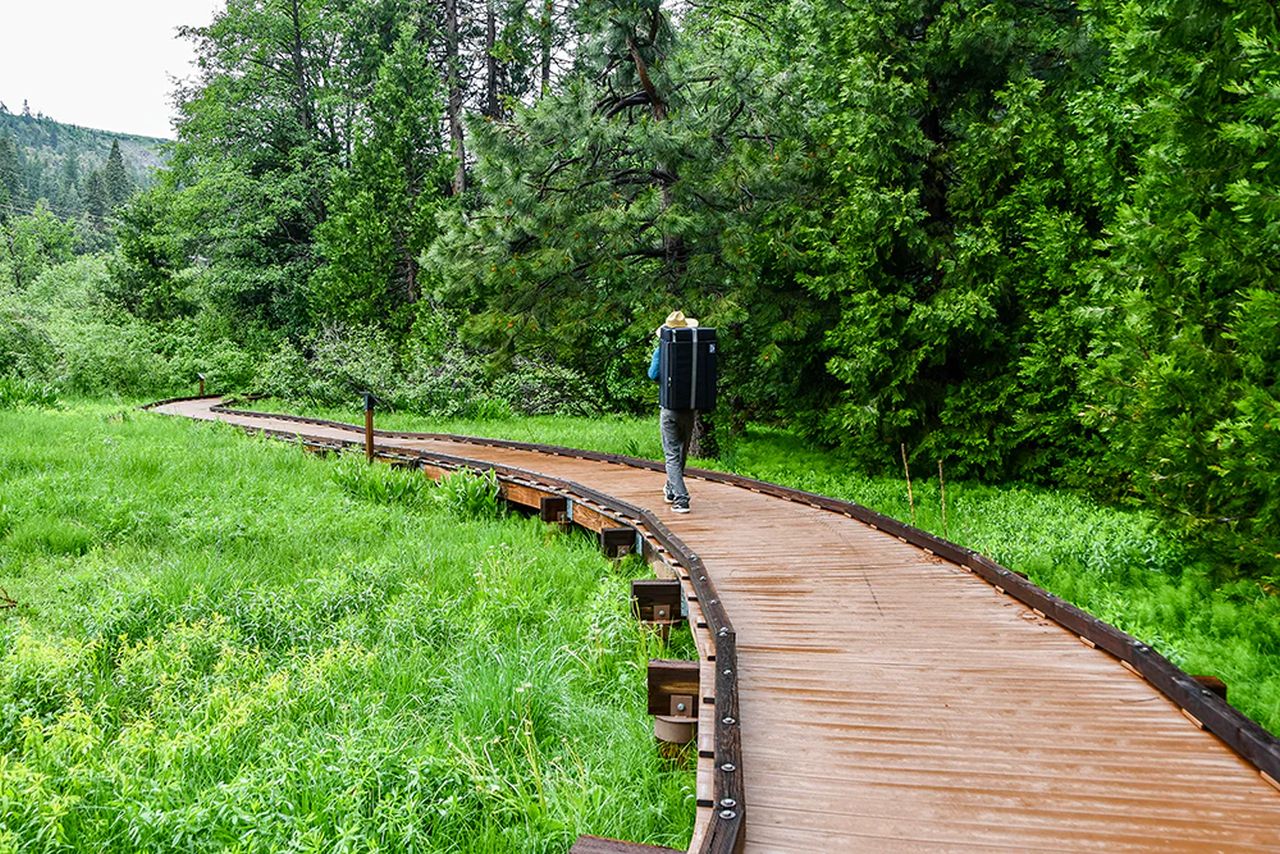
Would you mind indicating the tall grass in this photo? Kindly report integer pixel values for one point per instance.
(1118, 564)
(222, 643)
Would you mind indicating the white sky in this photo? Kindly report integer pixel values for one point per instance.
(105, 64)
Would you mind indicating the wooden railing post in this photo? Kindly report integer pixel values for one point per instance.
(201, 376)
(368, 425)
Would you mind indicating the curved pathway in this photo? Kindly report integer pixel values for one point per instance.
(893, 699)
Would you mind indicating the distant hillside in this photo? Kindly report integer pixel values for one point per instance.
(67, 165)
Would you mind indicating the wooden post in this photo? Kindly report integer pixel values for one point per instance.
(1214, 684)
(673, 699)
(368, 425)
(201, 376)
(618, 542)
(554, 508)
(656, 600)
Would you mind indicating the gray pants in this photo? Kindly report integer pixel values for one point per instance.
(677, 432)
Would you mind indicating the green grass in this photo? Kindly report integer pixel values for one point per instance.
(223, 643)
(1118, 564)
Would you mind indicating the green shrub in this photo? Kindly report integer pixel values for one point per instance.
(447, 387)
(379, 484)
(470, 494)
(541, 387)
(350, 360)
(15, 392)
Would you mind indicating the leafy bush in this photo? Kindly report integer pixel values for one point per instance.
(541, 387)
(16, 391)
(25, 347)
(447, 387)
(350, 360)
(379, 484)
(470, 494)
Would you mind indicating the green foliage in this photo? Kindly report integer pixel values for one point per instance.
(1033, 241)
(381, 214)
(1186, 385)
(278, 659)
(115, 177)
(380, 484)
(66, 167)
(470, 494)
(16, 392)
(635, 187)
(31, 244)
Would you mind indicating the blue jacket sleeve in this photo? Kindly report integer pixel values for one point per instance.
(653, 364)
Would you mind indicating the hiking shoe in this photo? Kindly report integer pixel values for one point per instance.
(680, 505)
(667, 495)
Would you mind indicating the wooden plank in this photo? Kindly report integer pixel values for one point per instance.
(525, 496)
(592, 520)
(601, 845)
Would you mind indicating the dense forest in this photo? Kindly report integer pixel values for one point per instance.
(78, 173)
(1031, 240)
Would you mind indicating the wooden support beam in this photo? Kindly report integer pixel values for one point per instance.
(553, 508)
(672, 683)
(600, 845)
(1214, 684)
(656, 600)
(617, 542)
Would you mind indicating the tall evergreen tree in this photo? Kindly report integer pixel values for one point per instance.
(12, 191)
(97, 199)
(119, 185)
(382, 213)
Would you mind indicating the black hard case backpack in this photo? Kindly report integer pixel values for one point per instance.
(687, 368)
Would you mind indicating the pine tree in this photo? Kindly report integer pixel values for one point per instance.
(10, 178)
(119, 186)
(97, 200)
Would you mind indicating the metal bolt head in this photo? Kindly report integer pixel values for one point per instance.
(724, 633)
(728, 721)
(729, 766)
(728, 815)
(728, 671)
(680, 707)
(728, 802)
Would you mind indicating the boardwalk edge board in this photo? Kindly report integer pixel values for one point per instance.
(1242, 734)
(724, 831)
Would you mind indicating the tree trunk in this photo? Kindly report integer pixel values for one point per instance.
(299, 69)
(490, 62)
(546, 39)
(705, 442)
(673, 249)
(454, 105)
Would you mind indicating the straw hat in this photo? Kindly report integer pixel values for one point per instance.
(677, 320)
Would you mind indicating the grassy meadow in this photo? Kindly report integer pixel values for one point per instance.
(221, 643)
(1121, 565)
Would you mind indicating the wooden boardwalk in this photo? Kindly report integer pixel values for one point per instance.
(892, 699)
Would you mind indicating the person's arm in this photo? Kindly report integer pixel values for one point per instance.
(653, 364)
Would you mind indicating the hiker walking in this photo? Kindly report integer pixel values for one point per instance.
(684, 366)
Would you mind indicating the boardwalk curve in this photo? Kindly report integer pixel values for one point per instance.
(884, 689)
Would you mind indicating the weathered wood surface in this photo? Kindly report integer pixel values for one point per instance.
(888, 699)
